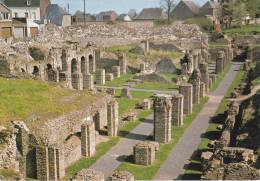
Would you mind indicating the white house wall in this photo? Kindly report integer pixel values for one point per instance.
(30, 10)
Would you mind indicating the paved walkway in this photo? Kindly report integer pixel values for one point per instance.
(173, 167)
(114, 157)
(142, 90)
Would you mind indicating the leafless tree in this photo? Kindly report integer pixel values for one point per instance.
(168, 6)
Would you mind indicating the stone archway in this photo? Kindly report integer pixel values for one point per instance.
(74, 66)
(83, 65)
(36, 71)
(64, 60)
(92, 63)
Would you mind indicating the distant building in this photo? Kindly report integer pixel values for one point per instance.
(150, 14)
(185, 9)
(43, 5)
(107, 16)
(20, 28)
(29, 9)
(124, 17)
(57, 15)
(78, 18)
(211, 8)
(5, 21)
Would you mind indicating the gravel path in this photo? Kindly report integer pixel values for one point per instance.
(114, 157)
(173, 167)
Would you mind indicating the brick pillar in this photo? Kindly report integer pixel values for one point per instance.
(60, 162)
(122, 63)
(101, 76)
(204, 75)
(162, 118)
(42, 163)
(98, 55)
(187, 91)
(88, 82)
(88, 139)
(144, 153)
(196, 91)
(177, 110)
(52, 163)
(77, 81)
(202, 90)
(116, 71)
(220, 62)
(112, 118)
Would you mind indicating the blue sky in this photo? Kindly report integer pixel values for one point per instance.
(120, 6)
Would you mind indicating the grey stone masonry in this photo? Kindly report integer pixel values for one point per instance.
(122, 63)
(77, 81)
(116, 71)
(213, 77)
(121, 176)
(195, 81)
(52, 163)
(187, 91)
(210, 82)
(142, 67)
(109, 77)
(101, 76)
(220, 62)
(144, 153)
(204, 75)
(146, 105)
(42, 163)
(162, 118)
(88, 139)
(60, 163)
(125, 93)
(112, 118)
(88, 82)
(202, 90)
(89, 175)
(177, 110)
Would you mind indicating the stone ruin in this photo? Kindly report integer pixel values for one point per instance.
(162, 118)
(89, 175)
(125, 93)
(121, 176)
(204, 70)
(187, 91)
(177, 110)
(220, 62)
(144, 153)
(195, 81)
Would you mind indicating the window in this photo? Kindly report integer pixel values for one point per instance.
(16, 15)
(28, 3)
(26, 15)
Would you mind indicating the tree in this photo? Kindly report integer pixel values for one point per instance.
(168, 6)
(253, 8)
(239, 11)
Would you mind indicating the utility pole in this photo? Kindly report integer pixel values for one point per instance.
(84, 12)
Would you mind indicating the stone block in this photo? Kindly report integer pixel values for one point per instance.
(187, 91)
(121, 176)
(125, 93)
(109, 77)
(116, 71)
(144, 153)
(101, 76)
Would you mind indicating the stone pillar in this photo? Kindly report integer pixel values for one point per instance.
(101, 76)
(109, 77)
(98, 55)
(213, 77)
(52, 163)
(202, 90)
(146, 46)
(177, 110)
(187, 91)
(121, 176)
(190, 65)
(142, 67)
(77, 81)
(220, 62)
(88, 139)
(204, 75)
(60, 163)
(144, 153)
(116, 71)
(122, 63)
(42, 163)
(162, 118)
(112, 118)
(88, 82)
(125, 93)
(195, 81)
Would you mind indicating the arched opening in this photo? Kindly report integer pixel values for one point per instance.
(96, 120)
(49, 67)
(91, 63)
(22, 70)
(50, 73)
(63, 60)
(36, 71)
(74, 66)
(31, 164)
(83, 65)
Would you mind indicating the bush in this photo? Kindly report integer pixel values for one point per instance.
(204, 23)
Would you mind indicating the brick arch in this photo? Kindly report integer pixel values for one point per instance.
(74, 66)
(36, 71)
(64, 64)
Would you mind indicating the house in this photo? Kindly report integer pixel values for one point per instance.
(57, 15)
(211, 8)
(150, 14)
(29, 9)
(5, 22)
(185, 9)
(78, 17)
(43, 5)
(124, 17)
(107, 16)
(20, 28)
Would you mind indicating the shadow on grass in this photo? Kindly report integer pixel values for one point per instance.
(146, 120)
(133, 136)
(218, 119)
(211, 135)
(126, 158)
(190, 176)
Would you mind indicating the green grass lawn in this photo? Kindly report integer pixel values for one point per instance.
(194, 169)
(171, 76)
(9, 174)
(148, 172)
(157, 86)
(119, 82)
(21, 98)
(245, 30)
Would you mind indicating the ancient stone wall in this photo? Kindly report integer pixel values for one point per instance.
(187, 91)
(177, 110)
(144, 153)
(88, 139)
